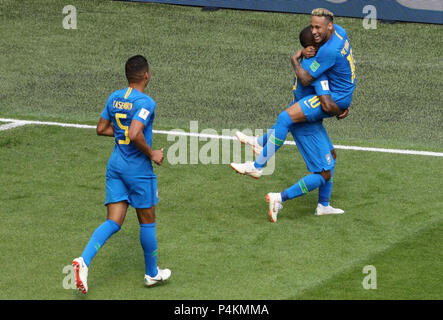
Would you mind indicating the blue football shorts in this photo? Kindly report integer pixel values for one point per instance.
(138, 190)
(315, 149)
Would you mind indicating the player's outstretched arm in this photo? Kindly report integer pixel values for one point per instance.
(105, 128)
(329, 106)
(138, 138)
(303, 75)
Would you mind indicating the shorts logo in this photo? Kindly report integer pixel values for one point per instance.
(328, 158)
(143, 114)
(314, 66)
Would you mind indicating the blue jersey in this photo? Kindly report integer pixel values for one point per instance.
(336, 61)
(122, 107)
(311, 137)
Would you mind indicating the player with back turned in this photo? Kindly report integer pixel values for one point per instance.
(130, 179)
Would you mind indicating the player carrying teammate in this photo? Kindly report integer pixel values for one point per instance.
(334, 59)
(314, 145)
(130, 179)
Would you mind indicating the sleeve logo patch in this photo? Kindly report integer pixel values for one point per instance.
(143, 114)
(314, 66)
(325, 85)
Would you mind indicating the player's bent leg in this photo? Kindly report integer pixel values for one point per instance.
(296, 113)
(308, 109)
(116, 216)
(302, 187)
(148, 241)
(104, 232)
(275, 141)
(263, 140)
(117, 211)
(97, 241)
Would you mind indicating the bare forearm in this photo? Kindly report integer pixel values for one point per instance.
(329, 106)
(140, 143)
(138, 139)
(333, 109)
(109, 132)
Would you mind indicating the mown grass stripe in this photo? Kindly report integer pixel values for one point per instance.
(18, 122)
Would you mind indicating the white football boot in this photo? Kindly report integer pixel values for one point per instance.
(322, 210)
(247, 168)
(81, 274)
(162, 275)
(249, 140)
(275, 205)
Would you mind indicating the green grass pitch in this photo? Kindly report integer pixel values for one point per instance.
(226, 69)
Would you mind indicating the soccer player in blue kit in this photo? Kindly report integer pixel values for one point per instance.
(130, 179)
(314, 145)
(334, 59)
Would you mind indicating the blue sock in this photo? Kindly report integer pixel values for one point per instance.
(148, 241)
(324, 192)
(98, 239)
(303, 186)
(277, 137)
(264, 138)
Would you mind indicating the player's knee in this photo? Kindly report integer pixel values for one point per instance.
(284, 119)
(146, 215)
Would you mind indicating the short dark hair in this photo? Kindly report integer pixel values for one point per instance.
(306, 37)
(135, 68)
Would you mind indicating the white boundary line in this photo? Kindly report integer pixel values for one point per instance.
(13, 123)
